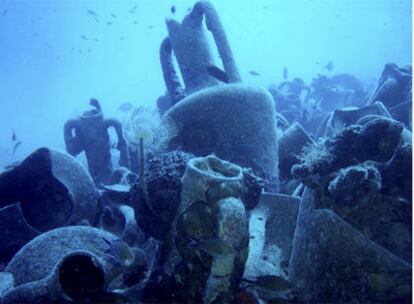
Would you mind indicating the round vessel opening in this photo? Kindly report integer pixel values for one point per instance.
(80, 277)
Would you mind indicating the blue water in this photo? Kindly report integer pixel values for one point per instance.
(54, 55)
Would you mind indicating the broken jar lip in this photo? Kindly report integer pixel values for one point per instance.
(216, 168)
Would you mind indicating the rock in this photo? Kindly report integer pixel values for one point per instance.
(163, 178)
(377, 140)
(355, 182)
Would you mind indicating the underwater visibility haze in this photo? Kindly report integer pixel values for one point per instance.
(160, 151)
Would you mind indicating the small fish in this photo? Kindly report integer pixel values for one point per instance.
(254, 73)
(16, 146)
(150, 27)
(121, 38)
(89, 50)
(84, 37)
(135, 22)
(265, 7)
(125, 107)
(329, 66)
(79, 51)
(109, 23)
(91, 12)
(285, 73)
(14, 135)
(217, 73)
(113, 16)
(173, 9)
(96, 40)
(5, 12)
(269, 283)
(121, 251)
(132, 10)
(214, 247)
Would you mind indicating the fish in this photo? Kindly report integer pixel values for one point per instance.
(16, 146)
(5, 12)
(135, 22)
(132, 10)
(121, 251)
(285, 73)
(109, 23)
(254, 73)
(113, 16)
(329, 66)
(125, 107)
(14, 135)
(84, 37)
(217, 73)
(91, 12)
(269, 283)
(173, 9)
(96, 40)
(150, 27)
(214, 247)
